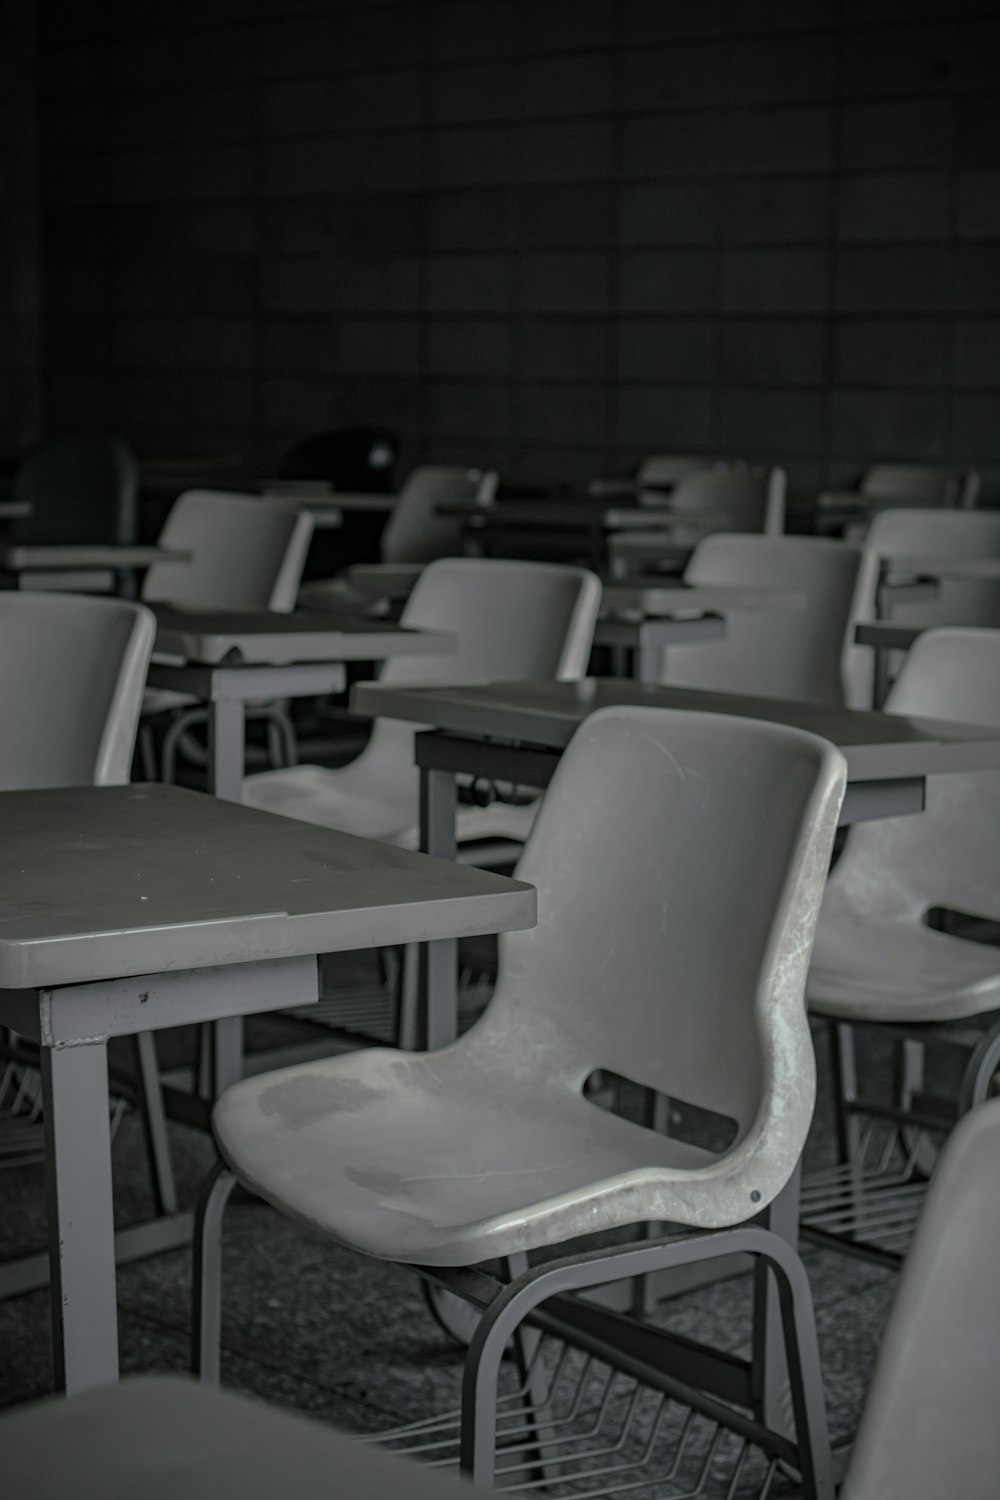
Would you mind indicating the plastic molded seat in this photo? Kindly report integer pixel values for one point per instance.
(513, 620)
(805, 653)
(683, 974)
(414, 532)
(930, 1424)
(943, 534)
(81, 490)
(248, 553)
(720, 498)
(72, 672)
(168, 1439)
(667, 468)
(920, 484)
(750, 499)
(875, 958)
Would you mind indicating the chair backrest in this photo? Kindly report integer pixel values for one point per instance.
(920, 484)
(942, 533)
(805, 653)
(81, 490)
(679, 860)
(662, 469)
(513, 620)
(414, 532)
(72, 673)
(248, 552)
(899, 868)
(930, 1424)
(746, 499)
(349, 458)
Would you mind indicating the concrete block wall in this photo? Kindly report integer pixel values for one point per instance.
(20, 332)
(546, 234)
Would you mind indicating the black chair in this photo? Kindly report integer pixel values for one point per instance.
(81, 490)
(350, 459)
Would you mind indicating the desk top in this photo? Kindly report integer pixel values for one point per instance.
(576, 514)
(385, 580)
(986, 569)
(887, 635)
(102, 882)
(878, 746)
(665, 602)
(23, 557)
(264, 637)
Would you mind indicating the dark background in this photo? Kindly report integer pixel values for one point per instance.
(546, 234)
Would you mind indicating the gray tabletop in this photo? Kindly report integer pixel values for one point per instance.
(212, 637)
(877, 746)
(385, 580)
(663, 602)
(884, 635)
(29, 557)
(577, 515)
(102, 882)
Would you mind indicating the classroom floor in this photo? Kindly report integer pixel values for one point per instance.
(351, 1341)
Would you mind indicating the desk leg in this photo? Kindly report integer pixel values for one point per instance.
(648, 655)
(226, 750)
(81, 1217)
(772, 1382)
(880, 677)
(439, 960)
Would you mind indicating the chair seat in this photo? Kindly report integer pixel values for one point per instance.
(445, 1159)
(875, 970)
(337, 799)
(334, 799)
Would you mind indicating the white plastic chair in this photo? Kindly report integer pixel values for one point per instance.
(885, 487)
(877, 962)
(719, 498)
(72, 672)
(513, 620)
(414, 534)
(943, 534)
(930, 1424)
(875, 958)
(920, 485)
(655, 473)
(685, 976)
(163, 1438)
(805, 653)
(248, 553)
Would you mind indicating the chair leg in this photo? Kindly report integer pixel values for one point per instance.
(845, 1090)
(147, 751)
(178, 727)
(979, 1072)
(154, 1121)
(409, 999)
(206, 1321)
(806, 1376)
(795, 1327)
